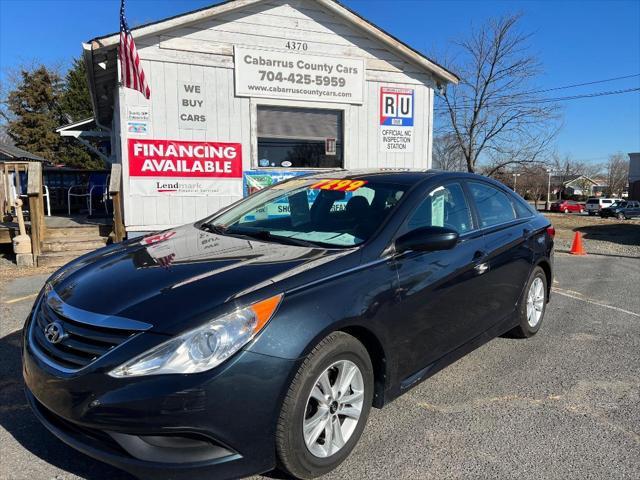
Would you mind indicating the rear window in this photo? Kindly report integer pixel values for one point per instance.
(494, 206)
(523, 210)
(593, 201)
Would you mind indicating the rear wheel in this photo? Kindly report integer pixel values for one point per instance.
(532, 305)
(326, 407)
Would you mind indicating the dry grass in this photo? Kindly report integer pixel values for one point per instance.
(607, 236)
(566, 224)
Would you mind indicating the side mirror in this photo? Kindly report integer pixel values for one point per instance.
(427, 239)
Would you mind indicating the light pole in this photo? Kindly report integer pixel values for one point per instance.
(548, 204)
(515, 181)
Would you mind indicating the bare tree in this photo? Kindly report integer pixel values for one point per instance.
(496, 110)
(533, 182)
(617, 174)
(447, 154)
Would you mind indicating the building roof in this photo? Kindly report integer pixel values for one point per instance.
(86, 124)
(153, 28)
(101, 51)
(13, 153)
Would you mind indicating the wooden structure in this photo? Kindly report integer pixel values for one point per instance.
(319, 60)
(115, 191)
(56, 241)
(10, 172)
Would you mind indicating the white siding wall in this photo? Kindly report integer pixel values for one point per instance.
(202, 53)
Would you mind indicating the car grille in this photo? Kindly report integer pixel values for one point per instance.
(82, 343)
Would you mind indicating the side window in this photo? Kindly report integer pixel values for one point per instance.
(445, 206)
(522, 210)
(494, 206)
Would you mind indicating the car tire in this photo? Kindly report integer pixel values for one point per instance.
(621, 216)
(591, 214)
(526, 327)
(566, 210)
(300, 408)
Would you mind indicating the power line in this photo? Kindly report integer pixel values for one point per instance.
(548, 100)
(574, 85)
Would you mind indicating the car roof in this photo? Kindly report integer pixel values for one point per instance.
(403, 176)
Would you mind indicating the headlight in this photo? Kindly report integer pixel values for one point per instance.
(205, 347)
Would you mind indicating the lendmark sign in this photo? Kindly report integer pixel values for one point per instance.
(158, 167)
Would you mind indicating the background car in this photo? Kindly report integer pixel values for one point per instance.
(594, 205)
(567, 206)
(622, 210)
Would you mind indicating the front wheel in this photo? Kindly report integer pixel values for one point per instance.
(326, 407)
(532, 305)
(621, 216)
(566, 210)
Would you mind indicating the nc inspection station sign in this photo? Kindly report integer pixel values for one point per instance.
(396, 119)
(297, 76)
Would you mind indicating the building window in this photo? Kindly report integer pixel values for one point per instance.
(299, 137)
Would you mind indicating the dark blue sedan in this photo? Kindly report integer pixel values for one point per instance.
(262, 335)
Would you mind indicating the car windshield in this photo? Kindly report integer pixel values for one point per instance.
(619, 204)
(326, 212)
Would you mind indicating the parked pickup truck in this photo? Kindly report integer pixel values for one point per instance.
(622, 209)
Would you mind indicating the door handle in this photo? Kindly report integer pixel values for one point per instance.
(479, 255)
(481, 268)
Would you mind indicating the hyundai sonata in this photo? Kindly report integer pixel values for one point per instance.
(260, 337)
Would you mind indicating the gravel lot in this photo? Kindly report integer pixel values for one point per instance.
(562, 405)
(605, 236)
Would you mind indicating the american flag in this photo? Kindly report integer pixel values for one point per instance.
(131, 73)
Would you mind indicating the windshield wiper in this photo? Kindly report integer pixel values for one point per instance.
(214, 228)
(270, 237)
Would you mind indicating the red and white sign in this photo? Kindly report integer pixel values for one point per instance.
(170, 158)
(161, 167)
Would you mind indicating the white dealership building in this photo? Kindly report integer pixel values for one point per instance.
(249, 92)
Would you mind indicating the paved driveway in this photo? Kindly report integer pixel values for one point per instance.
(562, 405)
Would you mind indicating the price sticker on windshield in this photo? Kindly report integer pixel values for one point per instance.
(338, 185)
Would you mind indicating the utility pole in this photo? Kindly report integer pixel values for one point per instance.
(548, 204)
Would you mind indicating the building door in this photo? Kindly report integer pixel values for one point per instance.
(299, 137)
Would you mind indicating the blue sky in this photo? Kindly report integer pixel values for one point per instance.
(577, 41)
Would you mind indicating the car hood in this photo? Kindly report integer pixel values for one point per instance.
(170, 278)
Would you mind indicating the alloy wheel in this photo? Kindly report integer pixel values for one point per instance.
(333, 409)
(535, 302)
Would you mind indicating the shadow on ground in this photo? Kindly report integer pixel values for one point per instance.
(16, 418)
(620, 233)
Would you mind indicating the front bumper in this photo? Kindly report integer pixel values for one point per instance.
(231, 410)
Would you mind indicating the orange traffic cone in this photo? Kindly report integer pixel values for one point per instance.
(576, 247)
